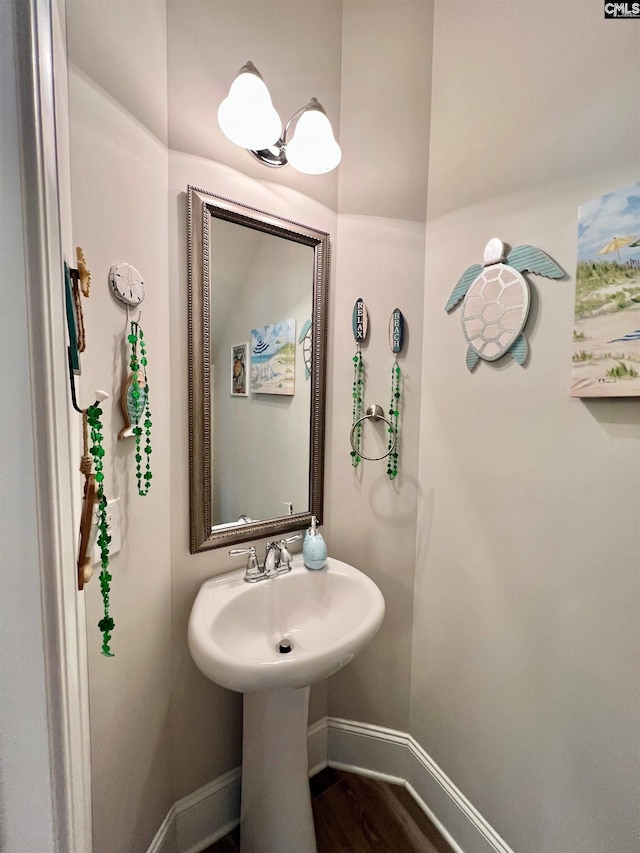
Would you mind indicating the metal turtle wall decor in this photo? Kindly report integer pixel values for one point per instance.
(496, 300)
(304, 338)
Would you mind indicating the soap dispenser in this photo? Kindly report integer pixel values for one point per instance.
(314, 548)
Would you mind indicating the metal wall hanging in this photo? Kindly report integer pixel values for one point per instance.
(496, 301)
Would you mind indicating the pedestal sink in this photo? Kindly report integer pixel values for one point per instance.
(271, 640)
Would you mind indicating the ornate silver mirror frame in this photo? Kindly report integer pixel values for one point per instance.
(202, 208)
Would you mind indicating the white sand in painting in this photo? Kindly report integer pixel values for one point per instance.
(275, 376)
(597, 355)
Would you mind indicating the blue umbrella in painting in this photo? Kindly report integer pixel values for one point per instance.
(632, 336)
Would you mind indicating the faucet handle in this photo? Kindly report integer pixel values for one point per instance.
(272, 559)
(285, 554)
(252, 560)
(236, 552)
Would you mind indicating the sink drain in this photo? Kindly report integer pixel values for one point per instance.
(284, 646)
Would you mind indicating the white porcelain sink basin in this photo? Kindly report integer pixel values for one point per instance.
(328, 616)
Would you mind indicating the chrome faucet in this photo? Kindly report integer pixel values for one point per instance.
(277, 559)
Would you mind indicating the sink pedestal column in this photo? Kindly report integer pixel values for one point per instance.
(275, 815)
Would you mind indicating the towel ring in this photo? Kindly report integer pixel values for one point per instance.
(375, 413)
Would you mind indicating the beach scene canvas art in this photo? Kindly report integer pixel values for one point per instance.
(606, 332)
(273, 358)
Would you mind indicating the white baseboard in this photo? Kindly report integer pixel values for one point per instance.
(317, 738)
(396, 757)
(202, 818)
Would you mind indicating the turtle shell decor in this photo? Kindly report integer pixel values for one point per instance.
(496, 300)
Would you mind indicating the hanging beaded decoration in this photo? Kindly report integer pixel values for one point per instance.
(106, 624)
(360, 325)
(358, 392)
(394, 414)
(396, 340)
(139, 391)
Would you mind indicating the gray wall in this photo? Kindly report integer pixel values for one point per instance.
(371, 522)
(119, 177)
(524, 685)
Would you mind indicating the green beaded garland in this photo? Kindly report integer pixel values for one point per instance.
(106, 624)
(394, 415)
(358, 396)
(137, 337)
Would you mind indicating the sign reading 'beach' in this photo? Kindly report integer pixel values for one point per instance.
(606, 332)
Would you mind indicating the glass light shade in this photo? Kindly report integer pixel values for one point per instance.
(246, 116)
(313, 148)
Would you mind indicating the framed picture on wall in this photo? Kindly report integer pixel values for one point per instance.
(606, 331)
(239, 370)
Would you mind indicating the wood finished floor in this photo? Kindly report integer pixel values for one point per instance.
(353, 814)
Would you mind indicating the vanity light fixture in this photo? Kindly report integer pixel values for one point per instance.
(248, 118)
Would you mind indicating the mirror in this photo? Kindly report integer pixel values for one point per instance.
(258, 287)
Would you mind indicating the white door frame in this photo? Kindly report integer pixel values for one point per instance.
(56, 431)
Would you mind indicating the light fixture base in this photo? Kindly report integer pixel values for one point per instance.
(274, 156)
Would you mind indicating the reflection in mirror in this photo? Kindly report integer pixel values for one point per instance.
(257, 332)
(261, 294)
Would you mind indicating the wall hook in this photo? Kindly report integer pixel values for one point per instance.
(100, 396)
(128, 320)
